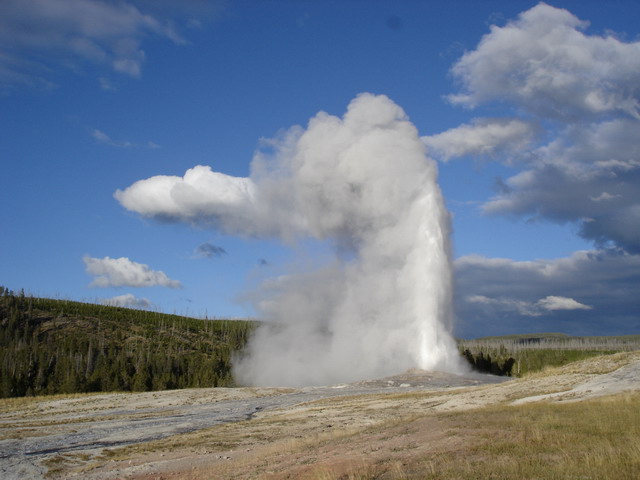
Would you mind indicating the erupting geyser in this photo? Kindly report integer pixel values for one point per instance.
(365, 184)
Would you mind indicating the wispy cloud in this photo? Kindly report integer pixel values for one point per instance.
(531, 309)
(102, 137)
(105, 139)
(74, 32)
(106, 84)
(122, 272)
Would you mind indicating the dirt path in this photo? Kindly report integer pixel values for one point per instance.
(235, 433)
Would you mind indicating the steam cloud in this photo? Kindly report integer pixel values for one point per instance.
(363, 183)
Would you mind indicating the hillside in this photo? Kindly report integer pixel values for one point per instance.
(58, 346)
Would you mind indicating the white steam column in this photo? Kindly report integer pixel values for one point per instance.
(363, 183)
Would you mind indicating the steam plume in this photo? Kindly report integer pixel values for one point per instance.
(364, 183)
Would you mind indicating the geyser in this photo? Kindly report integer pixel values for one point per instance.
(364, 183)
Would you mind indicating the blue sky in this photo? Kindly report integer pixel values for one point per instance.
(97, 95)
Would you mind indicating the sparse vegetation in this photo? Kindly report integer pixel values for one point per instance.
(596, 439)
(517, 355)
(57, 346)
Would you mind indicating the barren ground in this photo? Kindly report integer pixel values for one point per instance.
(273, 433)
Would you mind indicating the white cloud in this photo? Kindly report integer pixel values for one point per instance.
(200, 196)
(590, 293)
(121, 272)
(530, 309)
(126, 300)
(553, 302)
(108, 34)
(587, 172)
(506, 304)
(485, 136)
(584, 90)
(545, 63)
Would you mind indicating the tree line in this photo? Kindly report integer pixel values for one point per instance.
(56, 346)
(516, 355)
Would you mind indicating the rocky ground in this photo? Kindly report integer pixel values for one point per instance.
(271, 432)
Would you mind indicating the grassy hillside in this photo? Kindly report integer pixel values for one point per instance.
(518, 355)
(57, 346)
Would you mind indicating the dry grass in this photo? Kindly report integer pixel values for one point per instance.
(467, 433)
(598, 365)
(596, 439)
(21, 403)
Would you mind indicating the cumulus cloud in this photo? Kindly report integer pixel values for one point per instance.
(122, 272)
(208, 250)
(126, 300)
(201, 196)
(588, 175)
(486, 136)
(584, 167)
(363, 183)
(590, 293)
(544, 62)
(59, 32)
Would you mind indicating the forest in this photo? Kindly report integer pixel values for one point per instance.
(58, 346)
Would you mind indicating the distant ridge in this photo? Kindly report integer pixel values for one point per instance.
(525, 335)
